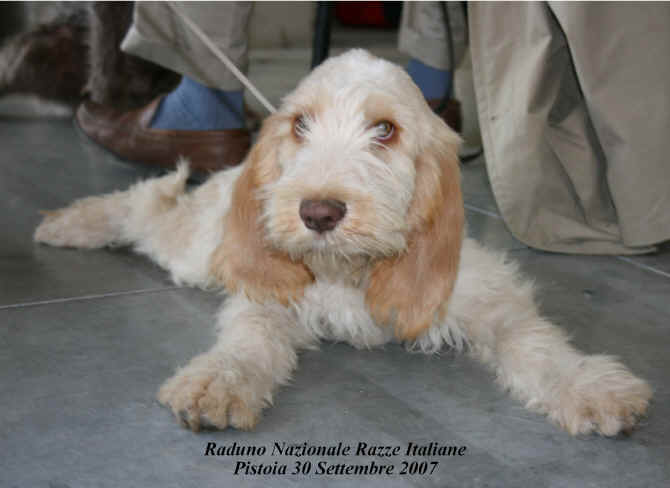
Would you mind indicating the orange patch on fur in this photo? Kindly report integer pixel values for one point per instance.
(244, 262)
(409, 290)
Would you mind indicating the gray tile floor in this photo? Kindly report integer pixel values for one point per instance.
(86, 338)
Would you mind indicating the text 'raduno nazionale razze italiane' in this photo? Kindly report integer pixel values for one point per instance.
(359, 458)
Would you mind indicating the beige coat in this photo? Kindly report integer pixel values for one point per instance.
(574, 108)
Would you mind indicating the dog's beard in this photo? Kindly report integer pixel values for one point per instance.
(338, 244)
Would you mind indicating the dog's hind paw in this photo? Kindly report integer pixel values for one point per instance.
(87, 223)
(603, 397)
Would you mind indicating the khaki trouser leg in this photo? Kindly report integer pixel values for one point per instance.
(574, 111)
(158, 35)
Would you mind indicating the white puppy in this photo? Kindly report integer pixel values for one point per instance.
(345, 223)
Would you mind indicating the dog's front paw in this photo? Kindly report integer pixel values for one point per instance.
(603, 396)
(203, 395)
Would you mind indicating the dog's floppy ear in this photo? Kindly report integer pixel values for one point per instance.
(410, 289)
(243, 262)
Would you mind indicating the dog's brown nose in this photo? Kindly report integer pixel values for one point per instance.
(322, 215)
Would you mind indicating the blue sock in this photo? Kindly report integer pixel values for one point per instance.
(192, 106)
(434, 83)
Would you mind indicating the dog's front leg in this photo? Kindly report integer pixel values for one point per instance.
(229, 385)
(494, 308)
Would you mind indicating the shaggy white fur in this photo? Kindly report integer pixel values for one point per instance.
(396, 266)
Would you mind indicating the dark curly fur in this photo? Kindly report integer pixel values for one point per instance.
(115, 76)
(77, 54)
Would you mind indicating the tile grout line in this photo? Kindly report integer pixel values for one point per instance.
(482, 211)
(88, 297)
(643, 266)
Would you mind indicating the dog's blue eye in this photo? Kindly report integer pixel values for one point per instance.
(384, 129)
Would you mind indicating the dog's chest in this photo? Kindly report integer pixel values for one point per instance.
(334, 305)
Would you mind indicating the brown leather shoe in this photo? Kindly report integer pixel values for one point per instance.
(129, 136)
(450, 112)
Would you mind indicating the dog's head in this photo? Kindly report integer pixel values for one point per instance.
(354, 163)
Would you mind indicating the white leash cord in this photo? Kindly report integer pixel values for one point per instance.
(222, 57)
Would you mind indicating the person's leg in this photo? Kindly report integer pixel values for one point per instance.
(621, 57)
(202, 119)
(545, 161)
(192, 106)
(160, 36)
(209, 96)
(425, 36)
